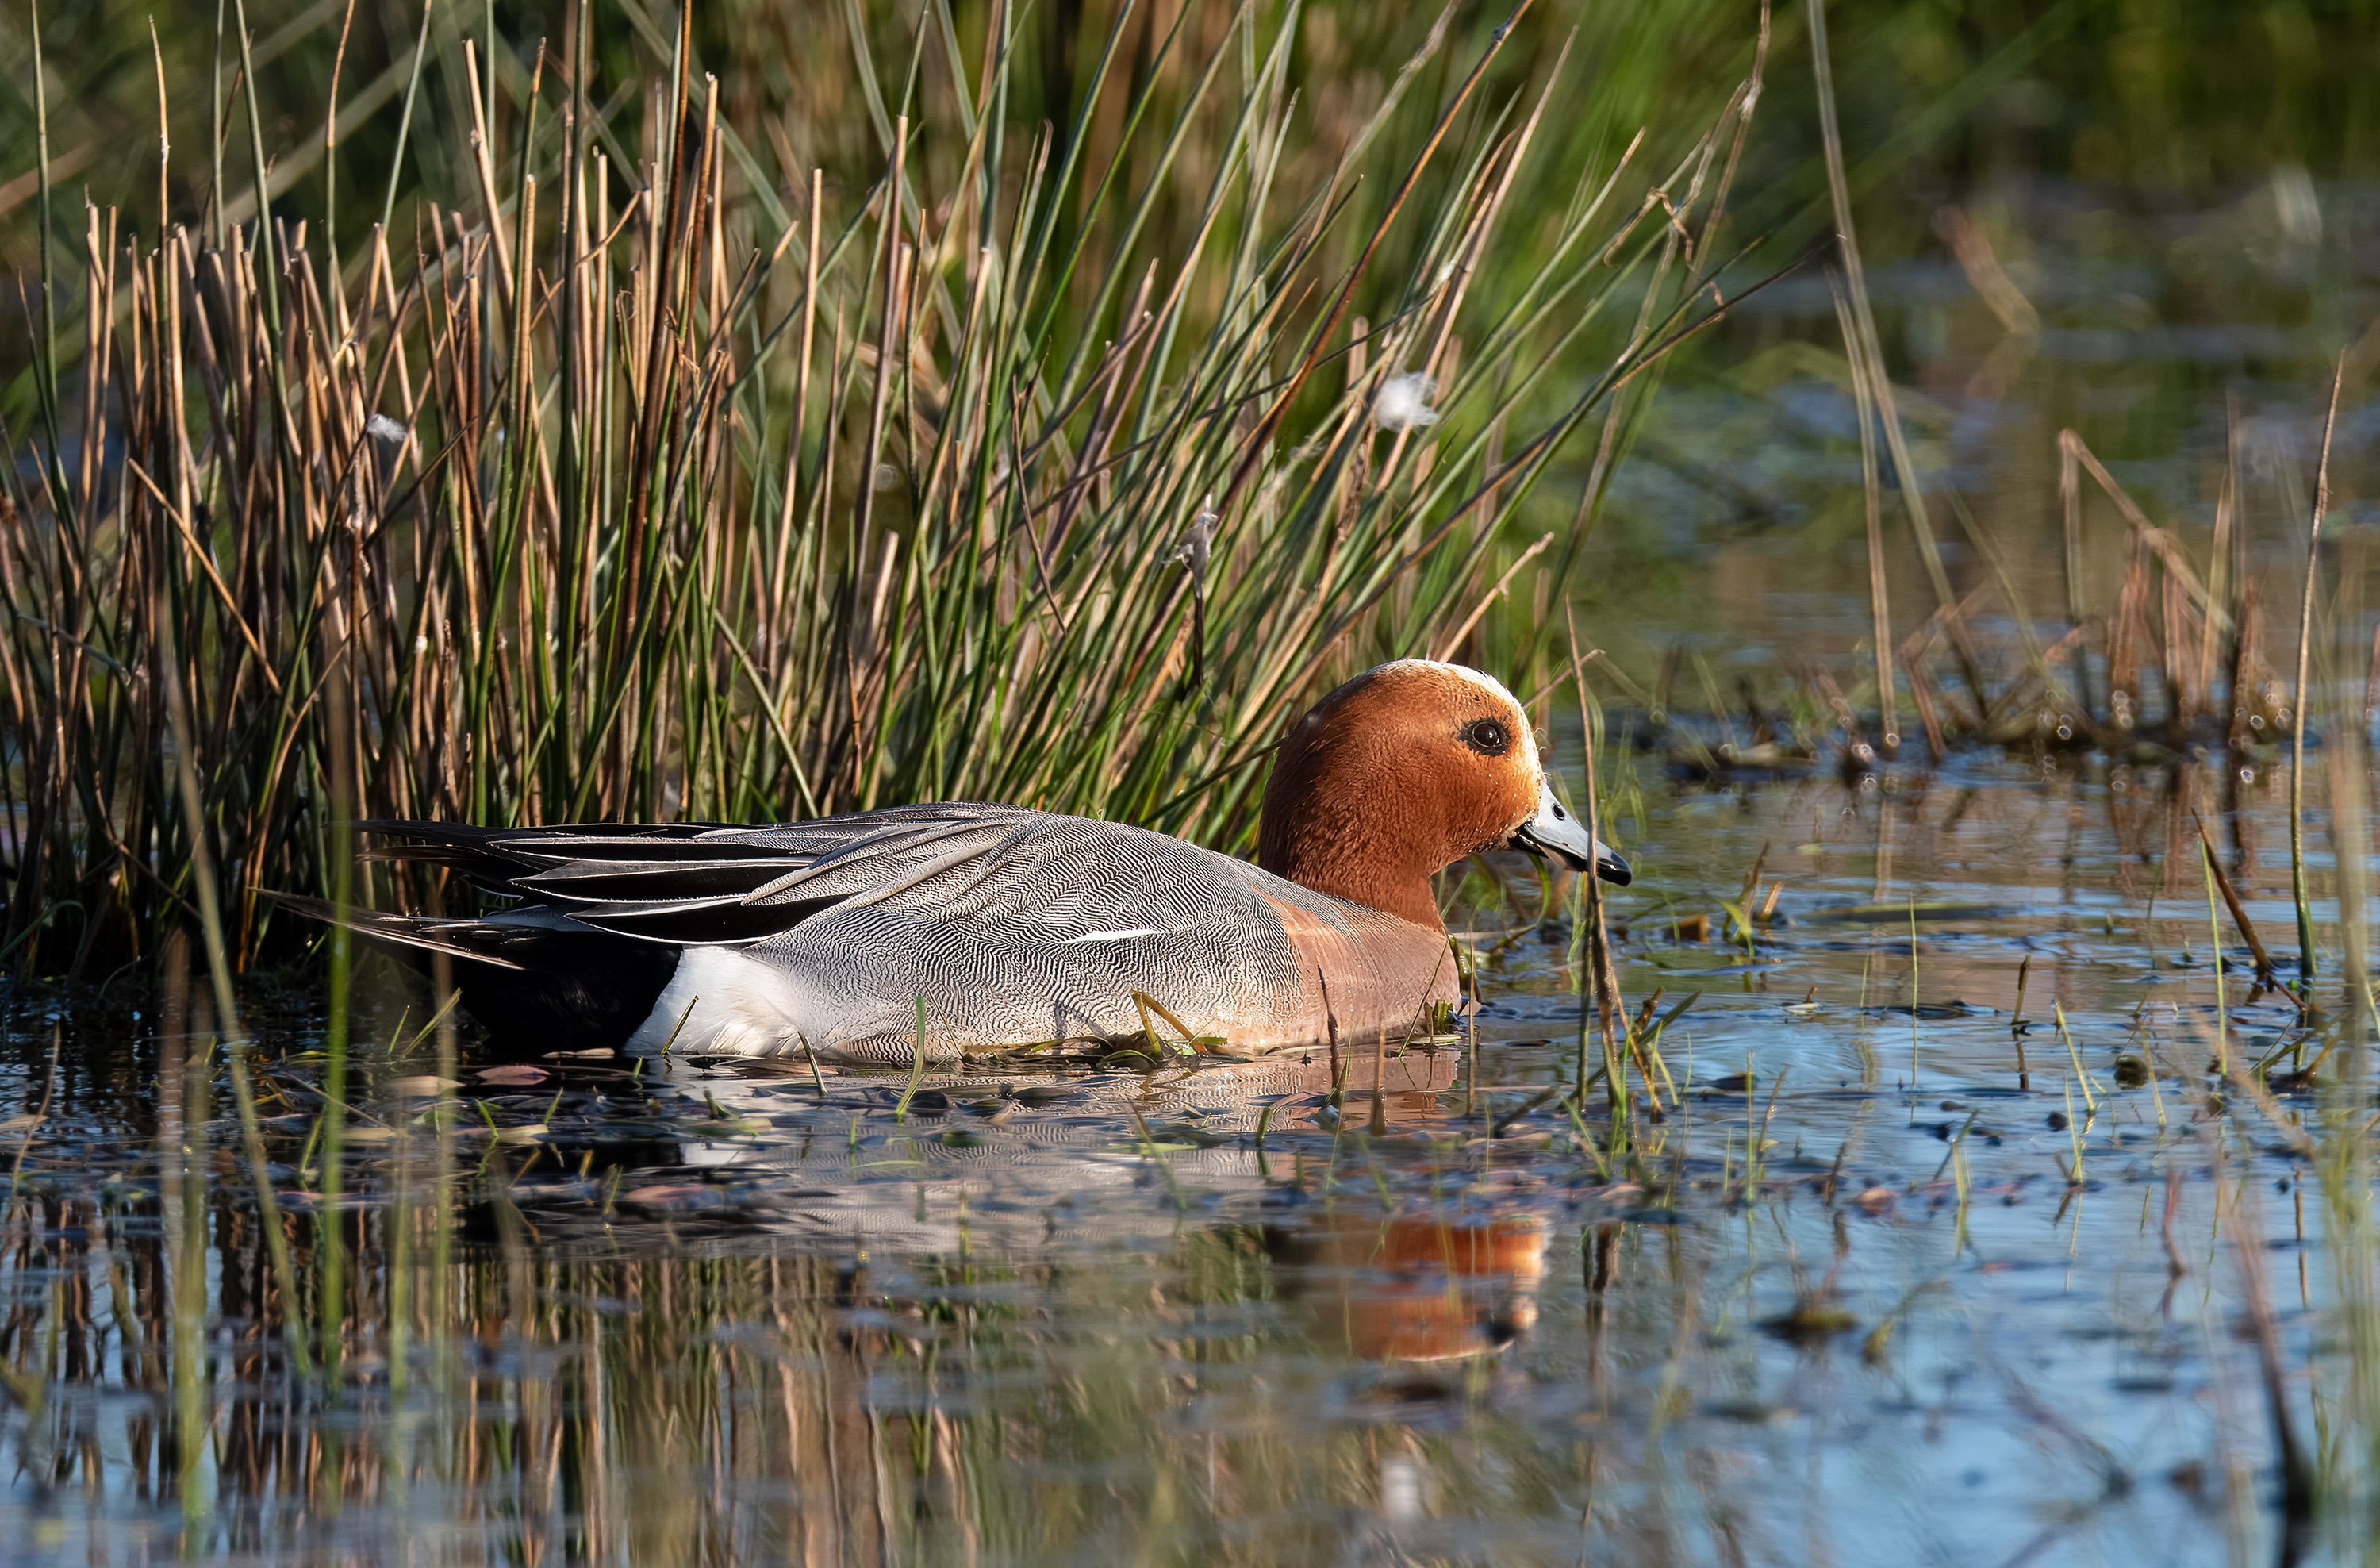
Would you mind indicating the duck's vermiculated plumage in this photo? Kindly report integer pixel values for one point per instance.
(1014, 925)
(1008, 927)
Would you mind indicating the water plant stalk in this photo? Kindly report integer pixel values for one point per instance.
(2214, 947)
(2303, 697)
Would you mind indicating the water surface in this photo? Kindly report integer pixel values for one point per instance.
(1865, 1313)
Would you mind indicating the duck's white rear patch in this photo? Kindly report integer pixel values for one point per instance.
(720, 1003)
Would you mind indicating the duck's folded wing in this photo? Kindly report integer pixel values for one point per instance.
(700, 884)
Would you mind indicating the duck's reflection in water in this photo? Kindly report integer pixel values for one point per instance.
(1421, 1287)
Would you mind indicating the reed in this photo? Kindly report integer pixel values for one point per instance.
(2301, 695)
(2343, 1163)
(542, 504)
(2214, 950)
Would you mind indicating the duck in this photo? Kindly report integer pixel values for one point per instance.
(971, 928)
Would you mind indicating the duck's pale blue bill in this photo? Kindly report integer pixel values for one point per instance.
(1553, 831)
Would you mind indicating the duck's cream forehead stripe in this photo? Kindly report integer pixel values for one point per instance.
(1462, 671)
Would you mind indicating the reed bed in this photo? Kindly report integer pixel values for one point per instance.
(530, 508)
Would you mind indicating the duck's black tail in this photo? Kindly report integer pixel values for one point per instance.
(526, 974)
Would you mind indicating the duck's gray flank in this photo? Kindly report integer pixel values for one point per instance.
(1014, 925)
(964, 927)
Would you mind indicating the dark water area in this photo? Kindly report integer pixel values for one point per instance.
(1936, 1287)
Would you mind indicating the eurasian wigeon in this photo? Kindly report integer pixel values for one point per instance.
(1015, 927)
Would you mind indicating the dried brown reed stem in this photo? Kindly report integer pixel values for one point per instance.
(2016, 1021)
(2247, 656)
(2069, 499)
(2218, 561)
(2182, 595)
(2267, 974)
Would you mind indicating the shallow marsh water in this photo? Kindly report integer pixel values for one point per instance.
(687, 1313)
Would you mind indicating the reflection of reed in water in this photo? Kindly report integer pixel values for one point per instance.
(1416, 1287)
(776, 1404)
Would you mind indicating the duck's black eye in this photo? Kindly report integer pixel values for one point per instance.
(1487, 737)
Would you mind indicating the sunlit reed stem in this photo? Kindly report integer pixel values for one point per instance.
(331, 154)
(2215, 940)
(1913, 990)
(1959, 1165)
(1879, 608)
(190, 1357)
(2344, 1164)
(404, 117)
(1578, 957)
(1598, 959)
(442, 1211)
(2073, 1132)
(2304, 696)
(917, 1063)
(398, 1220)
(2090, 1100)
(329, 1238)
